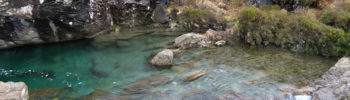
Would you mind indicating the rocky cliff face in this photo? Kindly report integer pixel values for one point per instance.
(42, 21)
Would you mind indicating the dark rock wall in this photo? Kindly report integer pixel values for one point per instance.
(41, 21)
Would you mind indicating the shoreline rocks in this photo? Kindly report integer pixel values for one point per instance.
(188, 40)
(334, 83)
(13, 91)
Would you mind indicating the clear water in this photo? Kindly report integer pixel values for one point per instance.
(116, 62)
(113, 61)
(254, 72)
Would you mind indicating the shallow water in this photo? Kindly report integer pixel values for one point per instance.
(253, 72)
(111, 64)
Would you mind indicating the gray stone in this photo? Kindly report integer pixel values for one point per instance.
(324, 94)
(13, 91)
(220, 43)
(2, 43)
(163, 58)
(160, 14)
(188, 40)
(334, 84)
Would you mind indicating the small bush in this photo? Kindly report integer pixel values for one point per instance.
(339, 19)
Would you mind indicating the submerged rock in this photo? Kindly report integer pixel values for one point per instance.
(235, 96)
(47, 93)
(194, 76)
(163, 58)
(13, 91)
(97, 72)
(98, 94)
(199, 94)
(146, 96)
(142, 86)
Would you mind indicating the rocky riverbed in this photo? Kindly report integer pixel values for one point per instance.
(175, 49)
(235, 70)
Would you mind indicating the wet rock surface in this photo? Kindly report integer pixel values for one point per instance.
(13, 91)
(334, 83)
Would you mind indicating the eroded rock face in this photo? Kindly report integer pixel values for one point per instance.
(163, 58)
(160, 14)
(38, 21)
(13, 91)
(41, 21)
(334, 84)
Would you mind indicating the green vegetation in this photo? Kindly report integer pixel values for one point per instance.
(272, 26)
(193, 18)
(339, 19)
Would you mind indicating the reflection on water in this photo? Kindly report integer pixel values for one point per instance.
(111, 64)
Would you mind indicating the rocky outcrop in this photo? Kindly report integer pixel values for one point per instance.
(42, 21)
(163, 58)
(294, 4)
(189, 40)
(334, 84)
(160, 14)
(13, 91)
(208, 39)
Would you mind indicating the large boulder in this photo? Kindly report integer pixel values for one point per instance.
(163, 58)
(160, 15)
(189, 40)
(13, 91)
(335, 82)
